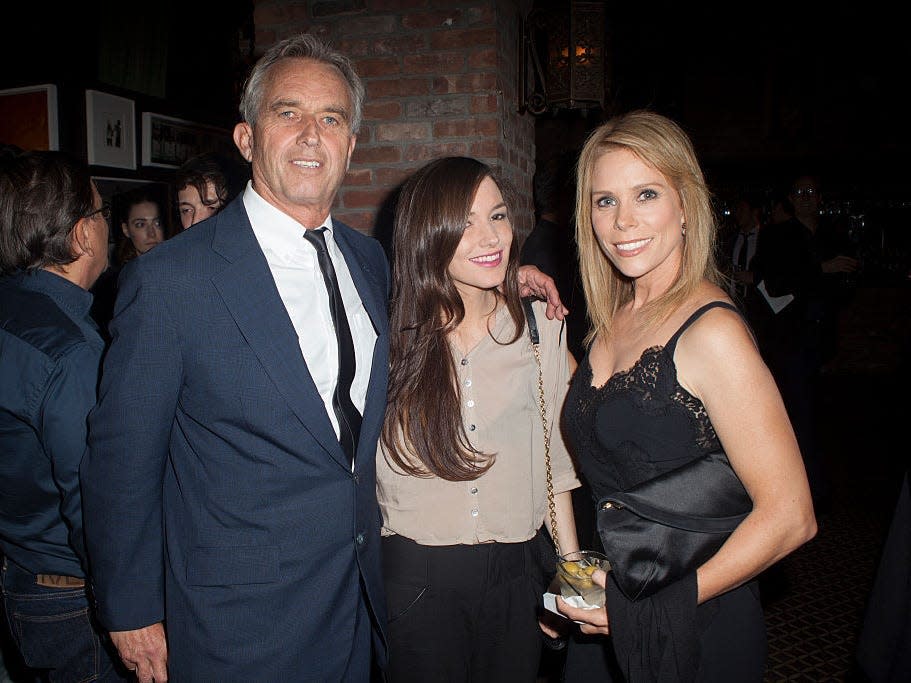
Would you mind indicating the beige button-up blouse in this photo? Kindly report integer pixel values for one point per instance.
(499, 392)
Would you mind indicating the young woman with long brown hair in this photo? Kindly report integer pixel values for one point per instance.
(460, 471)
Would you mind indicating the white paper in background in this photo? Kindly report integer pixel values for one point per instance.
(776, 303)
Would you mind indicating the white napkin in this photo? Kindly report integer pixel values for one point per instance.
(776, 303)
(550, 604)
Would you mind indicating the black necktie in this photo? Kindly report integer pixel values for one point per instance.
(349, 419)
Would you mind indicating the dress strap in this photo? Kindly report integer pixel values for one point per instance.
(698, 313)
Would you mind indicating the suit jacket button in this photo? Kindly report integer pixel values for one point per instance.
(359, 539)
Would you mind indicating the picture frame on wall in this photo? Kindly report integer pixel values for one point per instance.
(28, 117)
(167, 142)
(110, 128)
(110, 187)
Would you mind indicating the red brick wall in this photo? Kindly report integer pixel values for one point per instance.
(440, 79)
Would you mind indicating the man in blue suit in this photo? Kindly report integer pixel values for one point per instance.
(230, 536)
(230, 504)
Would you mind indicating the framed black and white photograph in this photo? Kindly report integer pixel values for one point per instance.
(167, 142)
(28, 117)
(111, 126)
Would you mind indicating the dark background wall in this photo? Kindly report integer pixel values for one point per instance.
(180, 59)
(762, 88)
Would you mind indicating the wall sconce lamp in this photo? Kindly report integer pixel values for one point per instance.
(561, 58)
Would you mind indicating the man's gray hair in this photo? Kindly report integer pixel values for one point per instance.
(303, 46)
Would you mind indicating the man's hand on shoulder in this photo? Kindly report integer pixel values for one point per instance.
(144, 651)
(533, 282)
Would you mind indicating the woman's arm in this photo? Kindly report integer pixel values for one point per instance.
(566, 532)
(566, 522)
(717, 361)
(563, 470)
(566, 518)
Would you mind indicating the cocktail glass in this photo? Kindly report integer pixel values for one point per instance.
(574, 574)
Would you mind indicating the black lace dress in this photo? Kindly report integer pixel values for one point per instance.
(639, 424)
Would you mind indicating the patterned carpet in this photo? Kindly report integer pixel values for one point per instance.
(815, 599)
(813, 625)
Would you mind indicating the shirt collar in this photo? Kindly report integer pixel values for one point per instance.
(71, 297)
(275, 230)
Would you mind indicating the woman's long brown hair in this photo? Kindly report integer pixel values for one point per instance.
(423, 432)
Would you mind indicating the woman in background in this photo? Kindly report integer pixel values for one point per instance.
(460, 469)
(142, 227)
(142, 223)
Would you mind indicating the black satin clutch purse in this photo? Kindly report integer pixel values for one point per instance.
(660, 530)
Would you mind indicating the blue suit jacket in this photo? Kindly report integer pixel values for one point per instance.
(216, 494)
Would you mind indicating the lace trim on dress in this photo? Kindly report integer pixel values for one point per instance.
(646, 373)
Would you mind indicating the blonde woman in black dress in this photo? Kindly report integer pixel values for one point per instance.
(672, 373)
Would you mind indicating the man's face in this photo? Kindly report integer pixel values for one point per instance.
(805, 197)
(302, 143)
(745, 216)
(192, 208)
(98, 237)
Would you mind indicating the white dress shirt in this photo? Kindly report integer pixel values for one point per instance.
(743, 241)
(297, 275)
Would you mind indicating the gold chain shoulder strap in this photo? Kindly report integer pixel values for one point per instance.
(542, 409)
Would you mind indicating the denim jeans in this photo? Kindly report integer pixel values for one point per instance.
(54, 630)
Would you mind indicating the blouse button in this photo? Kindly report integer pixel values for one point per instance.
(474, 513)
(470, 403)
(474, 490)
(464, 361)
(471, 428)
(467, 382)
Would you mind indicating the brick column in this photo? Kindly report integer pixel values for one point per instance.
(440, 81)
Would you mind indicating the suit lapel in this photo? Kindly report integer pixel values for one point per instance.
(371, 287)
(249, 292)
(368, 283)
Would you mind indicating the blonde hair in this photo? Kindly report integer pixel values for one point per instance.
(662, 144)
